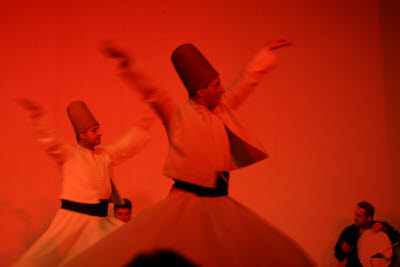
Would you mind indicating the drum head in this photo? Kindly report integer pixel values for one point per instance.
(369, 244)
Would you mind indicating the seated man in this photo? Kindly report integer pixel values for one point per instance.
(123, 212)
(346, 246)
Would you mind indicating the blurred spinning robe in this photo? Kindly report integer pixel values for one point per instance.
(197, 219)
(86, 188)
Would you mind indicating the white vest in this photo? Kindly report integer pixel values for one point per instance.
(195, 142)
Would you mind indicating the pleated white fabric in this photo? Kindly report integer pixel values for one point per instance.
(205, 230)
(69, 234)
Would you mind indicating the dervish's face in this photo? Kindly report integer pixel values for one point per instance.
(124, 214)
(213, 93)
(360, 219)
(92, 136)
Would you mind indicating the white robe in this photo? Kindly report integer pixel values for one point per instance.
(208, 231)
(86, 178)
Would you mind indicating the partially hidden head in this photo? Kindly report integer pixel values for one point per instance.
(124, 211)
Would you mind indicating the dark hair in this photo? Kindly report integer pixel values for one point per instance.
(127, 204)
(369, 209)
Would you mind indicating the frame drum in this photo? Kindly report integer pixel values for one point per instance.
(371, 243)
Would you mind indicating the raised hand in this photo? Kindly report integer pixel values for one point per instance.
(32, 107)
(279, 42)
(110, 50)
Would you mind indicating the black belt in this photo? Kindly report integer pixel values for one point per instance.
(220, 190)
(99, 209)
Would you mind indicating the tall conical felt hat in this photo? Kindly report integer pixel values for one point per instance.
(192, 67)
(80, 116)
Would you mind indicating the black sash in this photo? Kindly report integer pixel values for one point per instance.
(99, 209)
(220, 190)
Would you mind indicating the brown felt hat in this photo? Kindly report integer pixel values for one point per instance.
(81, 117)
(192, 67)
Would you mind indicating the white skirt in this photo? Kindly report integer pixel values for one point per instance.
(68, 235)
(207, 231)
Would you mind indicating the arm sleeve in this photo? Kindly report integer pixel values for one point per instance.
(261, 64)
(157, 98)
(339, 254)
(47, 137)
(131, 143)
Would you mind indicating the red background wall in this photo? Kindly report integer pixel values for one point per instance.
(328, 114)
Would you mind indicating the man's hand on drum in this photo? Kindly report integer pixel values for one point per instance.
(345, 247)
(378, 227)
